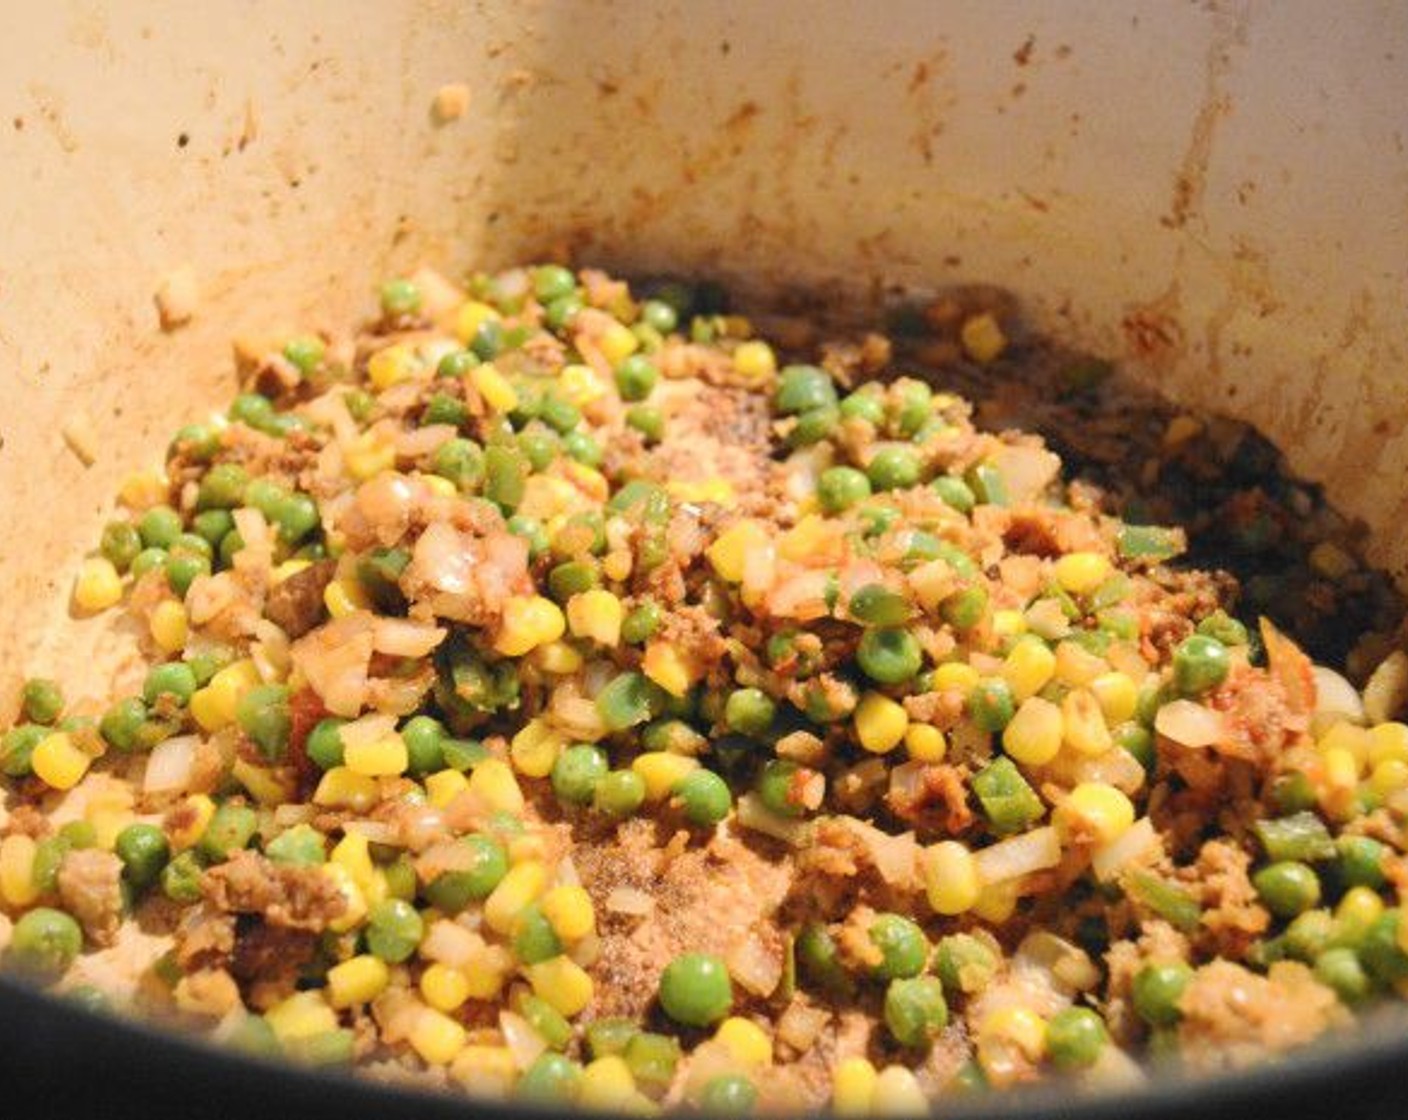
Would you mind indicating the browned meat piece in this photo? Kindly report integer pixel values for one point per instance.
(293, 897)
(295, 604)
(90, 887)
(204, 937)
(268, 960)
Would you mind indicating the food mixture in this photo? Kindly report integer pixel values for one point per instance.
(558, 692)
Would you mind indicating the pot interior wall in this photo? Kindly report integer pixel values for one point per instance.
(1212, 194)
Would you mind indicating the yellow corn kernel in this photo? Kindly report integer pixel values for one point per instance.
(493, 386)
(1028, 667)
(353, 854)
(897, 1093)
(579, 384)
(755, 362)
(664, 664)
(345, 596)
(955, 676)
(485, 1071)
(529, 621)
(98, 585)
(1018, 1025)
(1388, 741)
(523, 884)
(997, 902)
(442, 487)
(268, 787)
(881, 723)
(1340, 774)
(444, 786)
(214, 705)
(301, 1015)
(380, 758)
(660, 770)
(587, 480)
(355, 910)
(812, 536)
(436, 1037)
(487, 972)
(109, 812)
(392, 365)
(950, 877)
(1117, 695)
(493, 782)
(359, 980)
(59, 763)
(1389, 776)
(606, 1084)
(289, 568)
(982, 338)
(470, 317)
(617, 343)
(562, 982)
(1348, 737)
(443, 987)
(1359, 908)
(616, 565)
(1008, 623)
(141, 490)
(17, 886)
(568, 909)
(1080, 573)
(853, 1087)
(1095, 810)
(730, 549)
(558, 658)
(187, 822)
(1033, 737)
(527, 846)
(341, 788)
(535, 748)
(168, 625)
(925, 743)
(746, 1041)
(597, 615)
(1085, 729)
(716, 489)
(368, 454)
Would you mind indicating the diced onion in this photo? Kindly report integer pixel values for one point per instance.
(1116, 767)
(367, 730)
(1189, 724)
(628, 900)
(450, 943)
(895, 857)
(753, 814)
(1026, 470)
(801, 1024)
(1387, 690)
(170, 765)
(1036, 850)
(1335, 698)
(754, 966)
(523, 1042)
(1066, 963)
(418, 442)
(1110, 859)
(400, 637)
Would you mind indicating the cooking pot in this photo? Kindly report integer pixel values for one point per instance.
(1212, 194)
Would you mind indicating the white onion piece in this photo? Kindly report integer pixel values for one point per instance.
(1116, 767)
(895, 857)
(170, 765)
(1335, 699)
(801, 1024)
(1059, 959)
(1036, 850)
(1189, 724)
(756, 968)
(400, 637)
(367, 730)
(628, 900)
(1387, 690)
(1026, 470)
(753, 814)
(1114, 1069)
(378, 832)
(450, 943)
(417, 442)
(523, 1042)
(1112, 858)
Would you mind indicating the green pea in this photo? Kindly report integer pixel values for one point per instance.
(198, 442)
(533, 937)
(180, 879)
(819, 959)
(636, 378)
(704, 797)
(749, 711)
(159, 527)
(17, 748)
(610, 1036)
(695, 990)
(577, 771)
(173, 678)
(1341, 971)
(582, 447)
(561, 311)
(42, 700)
(839, 488)
(44, 942)
(1200, 663)
(648, 421)
(560, 414)
(829, 698)
(572, 578)
(120, 544)
(505, 476)
(551, 1079)
(222, 487)
(212, 525)
(91, 999)
(1139, 742)
(991, 704)
(461, 461)
(889, 655)
(778, 785)
(1156, 990)
(659, 315)
(1292, 792)
(1074, 1037)
(987, 484)
(728, 1094)
(400, 297)
(425, 744)
(955, 493)
(866, 403)
(231, 828)
(893, 468)
(253, 410)
(144, 851)
(813, 426)
(619, 793)
(253, 1035)
(902, 946)
(49, 855)
(394, 930)
(1380, 949)
(539, 446)
(324, 743)
(652, 1059)
(183, 568)
(1361, 861)
(1309, 934)
(964, 963)
(263, 714)
(641, 623)
(802, 388)
(295, 516)
(300, 846)
(457, 364)
(915, 1010)
(965, 608)
(305, 353)
(452, 891)
(463, 754)
(551, 281)
(121, 725)
(148, 560)
(625, 701)
(912, 403)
